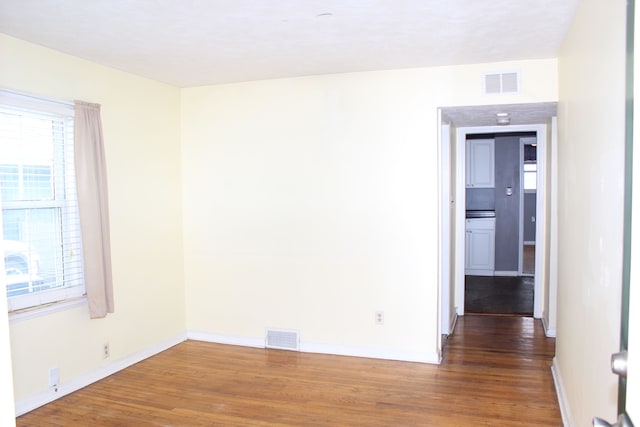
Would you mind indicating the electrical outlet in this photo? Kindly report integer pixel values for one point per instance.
(105, 350)
(54, 377)
(379, 318)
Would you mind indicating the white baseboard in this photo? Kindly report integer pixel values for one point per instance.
(548, 332)
(452, 325)
(370, 352)
(226, 339)
(565, 412)
(32, 402)
(506, 273)
(307, 347)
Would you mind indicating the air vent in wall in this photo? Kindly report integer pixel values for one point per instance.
(282, 339)
(501, 83)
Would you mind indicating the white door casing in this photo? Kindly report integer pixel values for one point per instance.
(541, 220)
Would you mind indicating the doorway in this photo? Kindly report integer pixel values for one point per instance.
(504, 192)
(457, 122)
(500, 210)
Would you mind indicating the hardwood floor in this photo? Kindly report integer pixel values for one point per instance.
(495, 372)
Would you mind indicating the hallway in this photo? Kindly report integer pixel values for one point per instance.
(499, 295)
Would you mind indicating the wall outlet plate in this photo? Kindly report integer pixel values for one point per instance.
(54, 377)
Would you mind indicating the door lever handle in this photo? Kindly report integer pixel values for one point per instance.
(623, 421)
(619, 363)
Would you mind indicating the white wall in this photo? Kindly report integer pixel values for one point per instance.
(142, 142)
(590, 208)
(310, 203)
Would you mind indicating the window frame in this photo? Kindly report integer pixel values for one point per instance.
(64, 200)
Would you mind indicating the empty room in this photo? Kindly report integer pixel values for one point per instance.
(259, 212)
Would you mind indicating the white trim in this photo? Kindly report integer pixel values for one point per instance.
(529, 242)
(541, 135)
(506, 273)
(257, 342)
(371, 352)
(444, 227)
(29, 101)
(32, 402)
(563, 402)
(460, 221)
(548, 332)
(521, 205)
(452, 326)
(43, 310)
(541, 222)
(335, 349)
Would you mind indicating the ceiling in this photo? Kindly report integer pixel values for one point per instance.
(190, 43)
(486, 115)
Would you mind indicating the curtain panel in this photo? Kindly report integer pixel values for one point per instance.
(91, 176)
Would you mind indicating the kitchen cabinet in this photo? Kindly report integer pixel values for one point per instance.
(480, 163)
(480, 246)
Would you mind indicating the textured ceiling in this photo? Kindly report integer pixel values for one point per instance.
(200, 42)
(485, 115)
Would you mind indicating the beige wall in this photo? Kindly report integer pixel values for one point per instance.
(310, 203)
(305, 203)
(590, 207)
(142, 143)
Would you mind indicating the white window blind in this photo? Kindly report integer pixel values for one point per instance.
(40, 224)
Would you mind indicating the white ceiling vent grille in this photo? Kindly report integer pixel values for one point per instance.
(283, 339)
(501, 83)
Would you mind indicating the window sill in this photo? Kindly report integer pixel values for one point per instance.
(43, 310)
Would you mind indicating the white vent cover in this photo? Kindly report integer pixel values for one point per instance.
(501, 83)
(282, 339)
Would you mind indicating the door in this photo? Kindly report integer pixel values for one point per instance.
(627, 362)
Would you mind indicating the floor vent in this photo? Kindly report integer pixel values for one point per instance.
(282, 339)
(501, 83)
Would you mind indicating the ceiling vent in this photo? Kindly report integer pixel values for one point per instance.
(495, 83)
(282, 339)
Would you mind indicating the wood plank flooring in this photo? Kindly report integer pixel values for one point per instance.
(495, 372)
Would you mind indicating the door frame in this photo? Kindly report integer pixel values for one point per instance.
(444, 229)
(541, 205)
(523, 220)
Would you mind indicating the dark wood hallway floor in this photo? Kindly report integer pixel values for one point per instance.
(495, 372)
(499, 295)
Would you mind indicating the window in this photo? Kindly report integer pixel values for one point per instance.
(40, 224)
(530, 176)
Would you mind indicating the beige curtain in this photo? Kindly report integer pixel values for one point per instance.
(91, 174)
